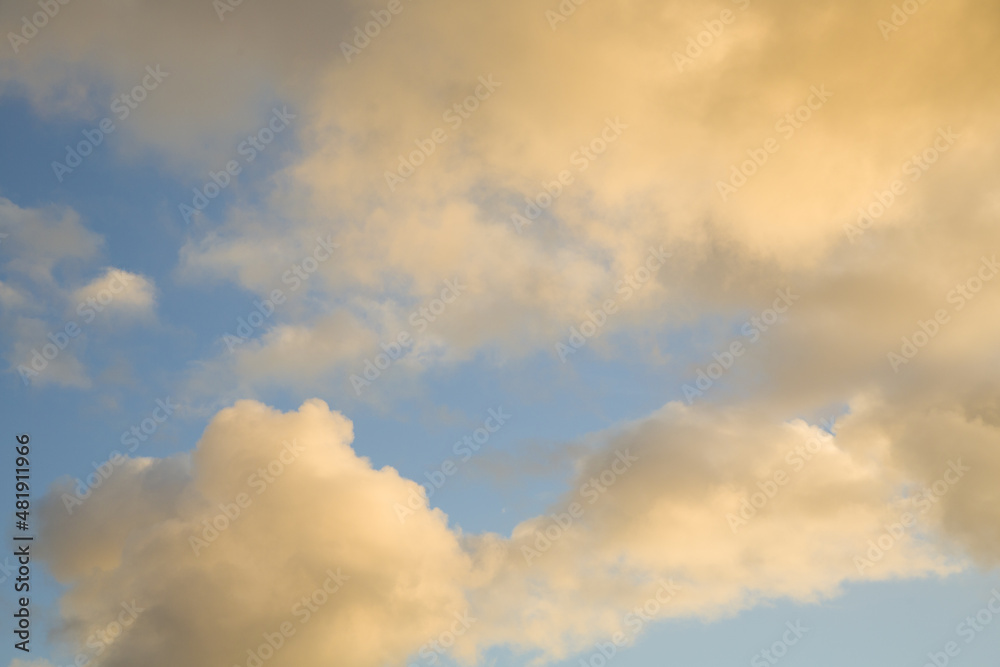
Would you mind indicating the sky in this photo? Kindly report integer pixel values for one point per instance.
(411, 333)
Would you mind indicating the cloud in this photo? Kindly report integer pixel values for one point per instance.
(732, 506)
(46, 318)
(785, 226)
(789, 220)
(208, 596)
(219, 545)
(39, 359)
(118, 292)
(689, 129)
(11, 297)
(41, 238)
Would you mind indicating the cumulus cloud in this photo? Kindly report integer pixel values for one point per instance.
(211, 587)
(728, 506)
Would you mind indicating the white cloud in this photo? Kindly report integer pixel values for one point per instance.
(46, 320)
(40, 238)
(118, 292)
(42, 355)
(11, 297)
